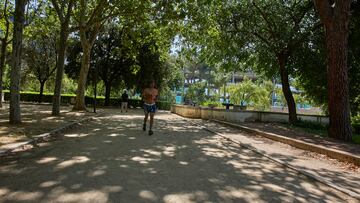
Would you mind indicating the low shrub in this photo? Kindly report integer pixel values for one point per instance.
(310, 125)
(355, 123)
(211, 104)
(89, 101)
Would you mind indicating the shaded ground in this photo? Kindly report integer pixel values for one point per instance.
(342, 174)
(301, 134)
(36, 119)
(112, 160)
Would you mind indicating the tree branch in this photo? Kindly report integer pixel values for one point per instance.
(58, 10)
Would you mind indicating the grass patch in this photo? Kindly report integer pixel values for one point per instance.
(311, 127)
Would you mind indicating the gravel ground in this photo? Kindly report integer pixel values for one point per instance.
(110, 159)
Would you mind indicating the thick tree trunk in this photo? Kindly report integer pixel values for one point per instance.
(335, 17)
(107, 93)
(286, 88)
(338, 89)
(42, 84)
(85, 65)
(64, 33)
(19, 19)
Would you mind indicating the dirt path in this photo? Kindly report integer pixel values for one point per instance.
(112, 160)
(36, 119)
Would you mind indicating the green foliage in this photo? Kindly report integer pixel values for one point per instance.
(354, 58)
(164, 105)
(355, 122)
(310, 125)
(196, 93)
(211, 103)
(67, 98)
(248, 93)
(167, 95)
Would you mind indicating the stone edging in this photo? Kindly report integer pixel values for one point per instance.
(332, 153)
(38, 138)
(285, 164)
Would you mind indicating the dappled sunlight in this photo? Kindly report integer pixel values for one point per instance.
(143, 160)
(198, 196)
(183, 163)
(76, 135)
(96, 173)
(229, 194)
(151, 152)
(148, 195)
(46, 160)
(113, 160)
(116, 134)
(216, 152)
(88, 196)
(23, 196)
(73, 161)
(169, 151)
(49, 184)
(131, 138)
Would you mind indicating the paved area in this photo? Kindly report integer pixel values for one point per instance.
(111, 160)
(344, 175)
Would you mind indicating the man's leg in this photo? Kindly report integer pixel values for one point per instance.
(126, 106)
(145, 120)
(151, 123)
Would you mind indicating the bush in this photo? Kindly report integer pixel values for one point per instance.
(164, 105)
(355, 123)
(211, 104)
(67, 99)
(310, 125)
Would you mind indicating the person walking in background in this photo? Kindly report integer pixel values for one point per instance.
(124, 101)
(149, 96)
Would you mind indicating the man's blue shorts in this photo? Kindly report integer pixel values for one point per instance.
(149, 108)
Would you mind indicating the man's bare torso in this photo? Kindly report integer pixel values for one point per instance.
(150, 95)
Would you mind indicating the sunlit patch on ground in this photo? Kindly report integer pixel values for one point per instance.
(74, 160)
(46, 160)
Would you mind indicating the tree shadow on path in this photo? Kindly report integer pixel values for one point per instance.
(111, 159)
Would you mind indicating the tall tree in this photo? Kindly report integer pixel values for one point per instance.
(335, 16)
(90, 17)
(64, 12)
(40, 53)
(5, 41)
(19, 20)
(260, 34)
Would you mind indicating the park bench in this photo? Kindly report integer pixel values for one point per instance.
(227, 105)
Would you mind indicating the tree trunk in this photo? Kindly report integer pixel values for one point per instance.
(19, 19)
(107, 93)
(42, 84)
(336, 17)
(286, 88)
(2, 65)
(85, 65)
(4, 43)
(64, 33)
(338, 89)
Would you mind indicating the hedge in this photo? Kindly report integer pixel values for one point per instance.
(69, 98)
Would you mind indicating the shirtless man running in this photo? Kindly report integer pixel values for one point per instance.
(149, 96)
